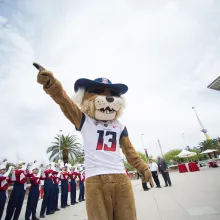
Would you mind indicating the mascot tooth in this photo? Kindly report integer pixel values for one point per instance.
(94, 112)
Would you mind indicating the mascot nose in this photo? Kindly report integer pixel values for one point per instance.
(109, 98)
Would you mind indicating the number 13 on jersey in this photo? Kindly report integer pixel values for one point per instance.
(112, 140)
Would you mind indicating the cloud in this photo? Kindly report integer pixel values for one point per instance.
(166, 52)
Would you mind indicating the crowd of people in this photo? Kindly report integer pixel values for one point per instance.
(51, 175)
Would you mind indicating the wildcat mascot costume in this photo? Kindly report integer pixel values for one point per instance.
(108, 189)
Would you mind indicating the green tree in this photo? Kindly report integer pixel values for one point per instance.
(70, 148)
(197, 157)
(170, 156)
(218, 140)
(151, 156)
(78, 160)
(143, 156)
(128, 166)
(210, 144)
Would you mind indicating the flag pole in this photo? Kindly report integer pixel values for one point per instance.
(160, 147)
(145, 150)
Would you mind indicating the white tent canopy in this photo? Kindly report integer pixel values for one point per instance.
(208, 151)
(185, 153)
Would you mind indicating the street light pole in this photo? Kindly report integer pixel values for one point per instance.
(160, 147)
(60, 133)
(142, 141)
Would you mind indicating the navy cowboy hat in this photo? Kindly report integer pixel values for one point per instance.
(100, 82)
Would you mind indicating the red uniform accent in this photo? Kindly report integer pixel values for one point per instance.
(82, 177)
(41, 192)
(54, 172)
(73, 175)
(56, 179)
(42, 178)
(21, 176)
(4, 183)
(34, 180)
(64, 175)
(48, 174)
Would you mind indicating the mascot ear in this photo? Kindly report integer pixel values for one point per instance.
(78, 96)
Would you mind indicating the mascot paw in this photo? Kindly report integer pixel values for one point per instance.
(45, 78)
(147, 176)
(152, 182)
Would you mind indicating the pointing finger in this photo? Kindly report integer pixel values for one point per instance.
(38, 66)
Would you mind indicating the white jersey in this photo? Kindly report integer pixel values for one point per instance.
(101, 146)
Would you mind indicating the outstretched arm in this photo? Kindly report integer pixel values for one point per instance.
(134, 158)
(54, 88)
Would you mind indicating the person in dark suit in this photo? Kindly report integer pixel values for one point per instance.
(163, 169)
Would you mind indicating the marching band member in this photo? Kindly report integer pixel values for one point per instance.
(4, 180)
(33, 196)
(19, 177)
(48, 192)
(64, 186)
(73, 174)
(81, 185)
(56, 180)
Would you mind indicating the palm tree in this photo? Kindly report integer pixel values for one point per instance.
(209, 144)
(69, 147)
(79, 160)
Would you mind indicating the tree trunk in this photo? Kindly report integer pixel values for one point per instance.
(65, 156)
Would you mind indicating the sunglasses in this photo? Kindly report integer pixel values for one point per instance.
(100, 91)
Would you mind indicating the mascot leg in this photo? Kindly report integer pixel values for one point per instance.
(110, 197)
(98, 198)
(124, 203)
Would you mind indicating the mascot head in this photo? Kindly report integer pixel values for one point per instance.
(100, 98)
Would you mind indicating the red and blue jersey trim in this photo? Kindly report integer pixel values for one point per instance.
(82, 122)
(124, 133)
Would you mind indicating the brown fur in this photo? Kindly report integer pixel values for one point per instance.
(134, 158)
(87, 105)
(108, 197)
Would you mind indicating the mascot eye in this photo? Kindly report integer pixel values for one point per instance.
(114, 93)
(97, 91)
(101, 91)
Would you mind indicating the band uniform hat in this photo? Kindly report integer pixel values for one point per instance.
(35, 167)
(2, 167)
(100, 82)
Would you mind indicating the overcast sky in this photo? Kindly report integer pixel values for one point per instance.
(167, 52)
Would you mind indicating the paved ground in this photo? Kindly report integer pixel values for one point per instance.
(193, 196)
